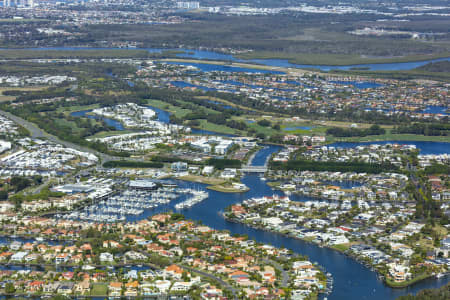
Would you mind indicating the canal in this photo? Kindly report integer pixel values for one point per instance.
(352, 280)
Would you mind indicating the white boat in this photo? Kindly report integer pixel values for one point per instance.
(88, 267)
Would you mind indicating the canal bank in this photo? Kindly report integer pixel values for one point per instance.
(352, 280)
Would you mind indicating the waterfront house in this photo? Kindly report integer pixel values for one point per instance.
(83, 287)
(62, 258)
(115, 289)
(174, 271)
(50, 288)
(131, 289)
(19, 256)
(106, 257)
(65, 288)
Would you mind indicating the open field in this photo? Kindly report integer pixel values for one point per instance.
(205, 125)
(234, 64)
(225, 189)
(403, 284)
(99, 290)
(70, 109)
(336, 59)
(25, 89)
(202, 179)
(286, 36)
(176, 110)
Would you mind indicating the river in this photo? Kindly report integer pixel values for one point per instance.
(164, 116)
(352, 280)
(211, 55)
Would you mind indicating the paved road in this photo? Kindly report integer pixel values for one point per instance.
(36, 132)
(284, 274)
(225, 284)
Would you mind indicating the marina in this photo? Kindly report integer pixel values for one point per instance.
(197, 197)
(128, 203)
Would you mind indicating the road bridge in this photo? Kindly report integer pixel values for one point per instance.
(254, 169)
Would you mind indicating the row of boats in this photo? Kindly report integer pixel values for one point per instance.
(197, 197)
(129, 202)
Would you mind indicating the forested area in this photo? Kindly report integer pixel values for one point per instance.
(350, 132)
(432, 129)
(309, 165)
(221, 164)
(442, 293)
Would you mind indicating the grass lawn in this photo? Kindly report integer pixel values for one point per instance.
(262, 129)
(64, 122)
(176, 110)
(25, 89)
(394, 284)
(273, 183)
(202, 179)
(103, 134)
(230, 104)
(99, 290)
(234, 64)
(225, 189)
(314, 128)
(204, 124)
(71, 109)
(341, 247)
(333, 59)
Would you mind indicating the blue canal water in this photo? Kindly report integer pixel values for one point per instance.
(436, 110)
(298, 127)
(261, 156)
(204, 67)
(286, 64)
(110, 122)
(352, 280)
(162, 116)
(360, 84)
(425, 147)
(201, 54)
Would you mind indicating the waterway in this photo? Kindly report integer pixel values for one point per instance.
(162, 116)
(110, 122)
(352, 280)
(211, 55)
(425, 147)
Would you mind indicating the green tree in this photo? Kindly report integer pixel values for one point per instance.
(9, 288)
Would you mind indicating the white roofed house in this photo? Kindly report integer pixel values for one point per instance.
(398, 272)
(6, 206)
(106, 257)
(19, 256)
(4, 146)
